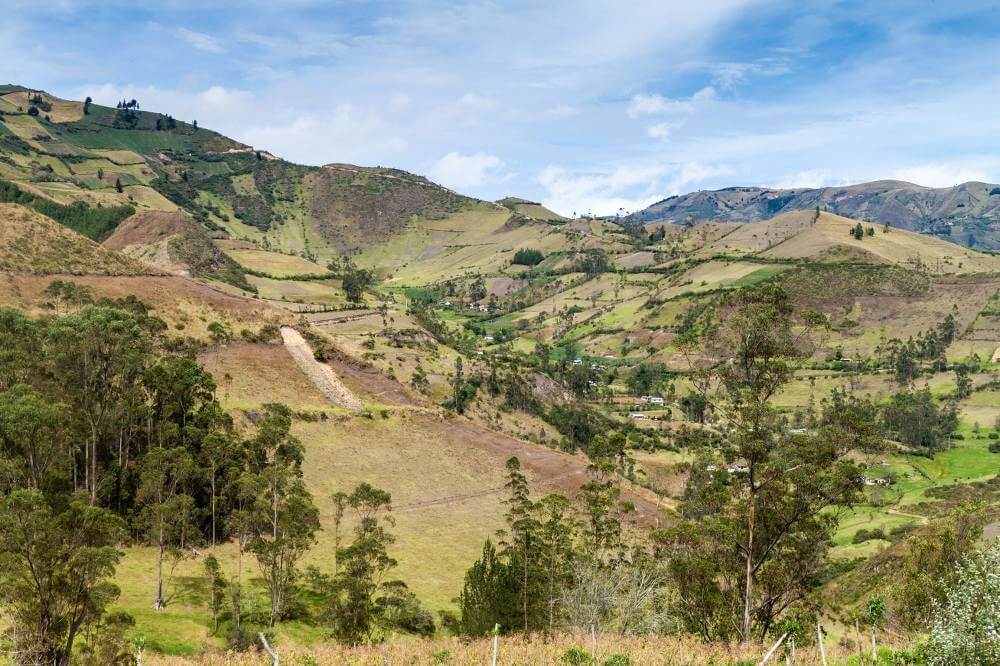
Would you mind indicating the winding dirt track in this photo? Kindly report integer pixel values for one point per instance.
(351, 384)
(548, 470)
(320, 374)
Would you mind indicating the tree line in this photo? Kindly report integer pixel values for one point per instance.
(111, 434)
(96, 223)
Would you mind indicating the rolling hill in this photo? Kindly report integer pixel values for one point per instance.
(968, 213)
(172, 241)
(230, 247)
(33, 243)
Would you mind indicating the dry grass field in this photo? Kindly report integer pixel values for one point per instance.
(33, 243)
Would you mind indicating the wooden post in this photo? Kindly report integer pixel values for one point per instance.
(496, 643)
(267, 648)
(593, 643)
(874, 653)
(819, 641)
(793, 650)
(774, 647)
(857, 636)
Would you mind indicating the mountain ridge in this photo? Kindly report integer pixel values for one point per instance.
(967, 213)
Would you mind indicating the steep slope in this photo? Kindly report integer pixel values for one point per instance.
(174, 242)
(33, 243)
(968, 213)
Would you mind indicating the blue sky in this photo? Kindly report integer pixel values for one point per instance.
(586, 105)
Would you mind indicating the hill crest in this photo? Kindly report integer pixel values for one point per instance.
(968, 213)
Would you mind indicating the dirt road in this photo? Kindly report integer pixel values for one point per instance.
(320, 374)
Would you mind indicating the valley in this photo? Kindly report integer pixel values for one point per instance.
(420, 339)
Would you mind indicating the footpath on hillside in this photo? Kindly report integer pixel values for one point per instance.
(548, 468)
(320, 374)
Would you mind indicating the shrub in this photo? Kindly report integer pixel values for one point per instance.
(966, 628)
(863, 535)
(528, 257)
(618, 660)
(576, 656)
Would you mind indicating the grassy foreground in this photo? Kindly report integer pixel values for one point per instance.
(561, 649)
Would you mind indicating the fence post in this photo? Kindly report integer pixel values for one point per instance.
(772, 650)
(496, 642)
(819, 641)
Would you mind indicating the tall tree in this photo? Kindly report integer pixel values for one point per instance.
(362, 597)
(285, 520)
(167, 513)
(523, 542)
(33, 450)
(489, 595)
(55, 570)
(764, 532)
(99, 354)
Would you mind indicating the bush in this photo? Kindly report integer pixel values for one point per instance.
(527, 257)
(576, 656)
(994, 447)
(966, 628)
(863, 535)
(618, 660)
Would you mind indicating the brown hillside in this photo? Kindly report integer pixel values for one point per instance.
(174, 242)
(33, 243)
(146, 228)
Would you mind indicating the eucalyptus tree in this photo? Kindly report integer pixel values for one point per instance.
(758, 523)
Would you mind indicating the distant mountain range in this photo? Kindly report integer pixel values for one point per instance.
(968, 213)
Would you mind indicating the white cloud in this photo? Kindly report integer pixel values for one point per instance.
(728, 75)
(643, 104)
(199, 40)
(342, 134)
(691, 174)
(598, 193)
(419, 81)
(941, 174)
(810, 178)
(215, 107)
(628, 187)
(457, 170)
(661, 131)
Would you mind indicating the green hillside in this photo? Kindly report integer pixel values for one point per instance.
(418, 339)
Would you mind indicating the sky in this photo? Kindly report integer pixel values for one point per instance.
(589, 106)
